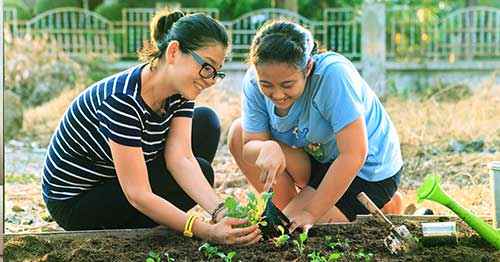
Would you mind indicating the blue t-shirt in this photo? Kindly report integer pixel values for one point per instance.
(334, 96)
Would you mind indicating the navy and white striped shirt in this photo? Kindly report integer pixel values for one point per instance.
(79, 156)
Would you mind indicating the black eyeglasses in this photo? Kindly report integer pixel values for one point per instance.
(207, 70)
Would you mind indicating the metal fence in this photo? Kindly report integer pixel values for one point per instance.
(413, 34)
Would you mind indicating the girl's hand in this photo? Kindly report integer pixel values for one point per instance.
(271, 162)
(223, 232)
(301, 219)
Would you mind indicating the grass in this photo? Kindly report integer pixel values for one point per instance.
(21, 178)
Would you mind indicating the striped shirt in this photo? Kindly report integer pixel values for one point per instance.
(79, 156)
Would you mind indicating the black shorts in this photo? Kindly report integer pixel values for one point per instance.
(379, 192)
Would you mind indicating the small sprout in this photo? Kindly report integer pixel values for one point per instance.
(283, 238)
(317, 257)
(229, 256)
(417, 239)
(328, 238)
(169, 259)
(300, 245)
(334, 256)
(153, 257)
(210, 251)
(362, 255)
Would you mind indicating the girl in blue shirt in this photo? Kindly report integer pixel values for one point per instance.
(311, 121)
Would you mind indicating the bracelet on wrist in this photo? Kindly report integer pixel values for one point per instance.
(216, 212)
(189, 226)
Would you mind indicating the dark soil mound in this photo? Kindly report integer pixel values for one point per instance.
(361, 241)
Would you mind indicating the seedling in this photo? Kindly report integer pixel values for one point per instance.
(417, 239)
(153, 257)
(300, 245)
(169, 259)
(344, 244)
(211, 251)
(317, 257)
(253, 209)
(362, 256)
(283, 238)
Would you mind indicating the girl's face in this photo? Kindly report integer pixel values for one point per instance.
(282, 83)
(190, 68)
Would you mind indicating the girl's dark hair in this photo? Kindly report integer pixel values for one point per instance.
(283, 41)
(193, 31)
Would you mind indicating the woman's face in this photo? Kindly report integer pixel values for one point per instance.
(282, 83)
(188, 77)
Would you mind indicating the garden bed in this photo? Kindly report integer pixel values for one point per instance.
(353, 242)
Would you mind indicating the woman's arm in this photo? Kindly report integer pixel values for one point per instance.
(184, 167)
(133, 177)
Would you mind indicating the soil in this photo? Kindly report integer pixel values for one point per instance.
(365, 236)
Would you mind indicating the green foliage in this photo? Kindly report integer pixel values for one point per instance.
(283, 238)
(111, 11)
(363, 256)
(37, 69)
(230, 10)
(23, 11)
(300, 243)
(211, 251)
(253, 209)
(45, 5)
(21, 178)
(153, 257)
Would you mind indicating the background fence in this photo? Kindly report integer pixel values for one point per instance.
(412, 33)
(377, 39)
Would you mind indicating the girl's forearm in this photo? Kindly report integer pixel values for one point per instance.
(335, 183)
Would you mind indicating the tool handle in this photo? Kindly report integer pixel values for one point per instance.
(367, 202)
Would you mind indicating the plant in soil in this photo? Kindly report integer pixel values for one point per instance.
(154, 257)
(300, 243)
(283, 238)
(211, 251)
(253, 209)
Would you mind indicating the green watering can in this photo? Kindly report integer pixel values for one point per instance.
(431, 190)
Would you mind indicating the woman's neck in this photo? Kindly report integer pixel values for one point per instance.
(154, 88)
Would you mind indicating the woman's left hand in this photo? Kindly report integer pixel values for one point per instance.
(301, 219)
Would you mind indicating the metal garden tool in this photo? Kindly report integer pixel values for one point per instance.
(400, 240)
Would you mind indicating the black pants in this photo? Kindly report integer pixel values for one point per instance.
(379, 192)
(106, 207)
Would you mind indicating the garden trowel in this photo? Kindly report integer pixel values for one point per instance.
(400, 240)
(273, 218)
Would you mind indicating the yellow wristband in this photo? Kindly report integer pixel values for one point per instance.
(189, 226)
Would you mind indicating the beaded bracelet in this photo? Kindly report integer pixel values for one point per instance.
(216, 212)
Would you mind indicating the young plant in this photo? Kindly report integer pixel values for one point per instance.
(211, 251)
(362, 256)
(316, 257)
(300, 245)
(343, 243)
(334, 256)
(153, 257)
(169, 259)
(253, 209)
(283, 238)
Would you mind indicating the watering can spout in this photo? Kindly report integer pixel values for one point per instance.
(430, 190)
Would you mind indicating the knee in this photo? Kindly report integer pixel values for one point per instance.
(207, 170)
(235, 137)
(207, 118)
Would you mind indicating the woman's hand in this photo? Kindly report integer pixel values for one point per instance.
(271, 162)
(301, 219)
(223, 232)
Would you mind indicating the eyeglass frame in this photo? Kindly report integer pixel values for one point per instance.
(221, 75)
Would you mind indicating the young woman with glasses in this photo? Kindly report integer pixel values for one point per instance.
(133, 152)
(311, 121)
